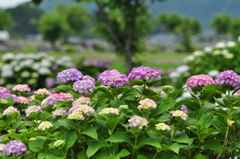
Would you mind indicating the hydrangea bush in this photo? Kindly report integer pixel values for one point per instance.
(122, 116)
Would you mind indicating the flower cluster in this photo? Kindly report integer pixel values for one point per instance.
(71, 74)
(144, 73)
(113, 78)
(44, 125)
(49, 101)
(84, 86)
(179, 113)
(10, 110)
(108, 111)
(14, 147)
(21, 99)
(147, 104)
(33, 109)
(228, 77)
(199, 80)
(59, 112)
(22, 88)
(64, 96)
(81, 100)
(42, 92)
(162, 126)
(78, 112)
(3, 91)
(137, 121)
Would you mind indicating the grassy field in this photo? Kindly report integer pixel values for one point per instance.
(159, 60)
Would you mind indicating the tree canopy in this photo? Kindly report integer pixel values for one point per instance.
(5, 20)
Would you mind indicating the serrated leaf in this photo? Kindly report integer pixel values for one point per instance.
(190, 122)
(119, 137)
(42, 155)
(4, 124)
(137, 82)
(168, 156)
(112, 123)
(175, 93)
(36, 145)
(93, 148)
(174, 147)
(161, 108)
(63, 88)
(91, 132)
(82, 155)
(71, 138)
(200, 156)
(16, 136)
(131, 92)
(123, 153)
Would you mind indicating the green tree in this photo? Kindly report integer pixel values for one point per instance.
(185, 27)
(22, 15)
(124, 31)
(5, 20)
(234, 28)
(53, 27)
(220, 24)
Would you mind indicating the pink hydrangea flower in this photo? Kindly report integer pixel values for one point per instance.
(10, 110)
(179, 113)
(42, 92)
(22, 88)
(199, 80)
(81, 100)
(144, 73)
(33, 109)
(137, 121)
(228, 77)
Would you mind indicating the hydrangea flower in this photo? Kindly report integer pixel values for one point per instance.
(84, 109)
(87, 77)
(71, 74)
(144, 73)
(199, 80)
(179, 113)
(1, 147)
(162, 126)
(76, 116)
(107, 111)
(21, 99)
(113, 78)
(49, 101)
(228, 77)
(14, 147)
(184, 108)
(147, 104)
(81, 100)
(59, 112)
(83, 86)
(65, 96)
(4, 91)
(59, 143)
(33, 109)
(10, 110)
(22, 88)
(44, 125)
(137, 121)
(42, 92)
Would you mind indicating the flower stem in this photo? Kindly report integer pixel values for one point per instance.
(224, 143)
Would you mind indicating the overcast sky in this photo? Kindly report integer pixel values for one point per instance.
(11, 3)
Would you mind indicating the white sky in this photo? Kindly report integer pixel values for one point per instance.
(11, 3)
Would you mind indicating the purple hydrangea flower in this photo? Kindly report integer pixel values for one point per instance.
(4, 91)
(81, 100)
(87, 77)
(21, 99)
(33, 109)
(112, 78)
(144, 73)
(184, 108)
(228, 77)
(71, 74)
(137, 121)
(83, 86)
(199, 80)
(15, 147)
(10, 110)
(49, 101)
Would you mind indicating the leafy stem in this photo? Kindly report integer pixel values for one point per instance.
(224, 143)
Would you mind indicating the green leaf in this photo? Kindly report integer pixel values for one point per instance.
(137, 82)
(82, 155)
(168, 155)
(190, 122)
(220, 112)
(209, 107)
(4, 124)
(148, 141)
(123, 153)
(119, 137)
(72, 137)
(141, 157)
(42, 155)
(19, 124)
(175, 93)
(161, 108)
(62, 88)
(36, 145)
(63, 103)
(16, 136)
(131, 92)
(200, 156)
(212, 144)
(163, 118)
(216, 87)
(112, 123)
(227, 102)
(53, 156)
(182, 139)
(106, 92)
(91, 132)
(174, 147)
(93, 148)
(67, 123)
(208, 93)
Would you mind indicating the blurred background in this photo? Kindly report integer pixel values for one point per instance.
(39, 38)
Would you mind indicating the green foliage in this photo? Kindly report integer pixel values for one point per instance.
(220, 23)
(183, 26)
(5, 20)
(234, 28)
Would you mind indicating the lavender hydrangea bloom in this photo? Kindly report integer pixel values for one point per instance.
(83, 86)
(71, 74)
(144, 73)
(10, 110)
(228, 77)
(16, 147)
(22, 88)
(59, 112)
(199, 80)
(33, 109)
(113, 78)
(49, 101)
(137, 121)
(4, 91)
(87, 77)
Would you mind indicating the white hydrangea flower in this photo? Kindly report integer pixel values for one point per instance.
(8, 56)
(174, 74)
(228, 56)
(182, 69)
(238, 38)
(44, 71)
(213, 73)
(198, 53)
(224, 52)
(220, 45)
(231, 44)
(207, 49)
(189, 58)
(45, 63)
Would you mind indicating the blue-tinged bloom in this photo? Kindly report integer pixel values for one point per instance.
(144, 73)
(71, 74)
(228, 77)
(14, 147)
